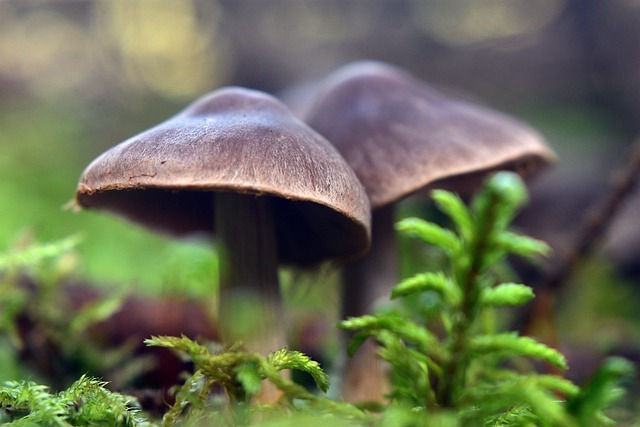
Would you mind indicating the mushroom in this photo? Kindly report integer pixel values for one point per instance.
(402, 136)
(238, 165)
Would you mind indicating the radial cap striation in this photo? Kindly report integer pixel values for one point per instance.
(400, 135)
(235, 140)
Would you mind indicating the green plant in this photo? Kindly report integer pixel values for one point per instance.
(86, 402)
(240, 374)
(45, 262)
(38, 318)
(447, 357)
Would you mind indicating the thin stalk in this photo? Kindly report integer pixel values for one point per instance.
(364, 282)
(250, 305)
(597, 220)
(594, 225)
(371, 277)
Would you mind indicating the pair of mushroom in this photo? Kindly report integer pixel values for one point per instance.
(238, 164)
(402, 136)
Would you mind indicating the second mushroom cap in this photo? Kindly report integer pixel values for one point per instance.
(399, 134)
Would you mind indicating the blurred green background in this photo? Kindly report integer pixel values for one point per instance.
(77, 77)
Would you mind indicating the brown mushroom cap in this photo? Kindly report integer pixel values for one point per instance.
(400, 135)
(243, 141)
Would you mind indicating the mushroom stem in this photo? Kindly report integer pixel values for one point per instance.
(365, 282)
(250, 305)
(371, 277)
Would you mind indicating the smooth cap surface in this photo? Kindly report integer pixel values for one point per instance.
(400, 135)
(243, 141)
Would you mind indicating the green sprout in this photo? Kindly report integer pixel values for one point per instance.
(451, 360)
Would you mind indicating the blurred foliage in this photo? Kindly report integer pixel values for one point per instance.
(74, 46)
(179, 63)
(40, 322)
(44, 155)
(603, 312)
(465, 22)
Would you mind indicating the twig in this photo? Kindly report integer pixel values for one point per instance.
(594, 225)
